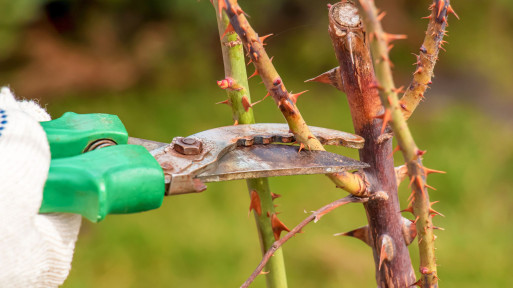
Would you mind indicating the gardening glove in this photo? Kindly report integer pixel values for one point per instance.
(35, 250)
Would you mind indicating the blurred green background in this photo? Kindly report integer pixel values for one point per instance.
(154, 63)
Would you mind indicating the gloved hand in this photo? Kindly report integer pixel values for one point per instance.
(35, 250)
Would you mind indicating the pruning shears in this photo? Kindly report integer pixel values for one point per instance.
(96, 169)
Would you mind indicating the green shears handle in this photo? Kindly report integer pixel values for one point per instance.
(118, 179)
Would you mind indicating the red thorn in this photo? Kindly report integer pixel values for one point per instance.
(255, 55)
(427, 17)
(382, 256)
(381, 16)
(329, 6)
(399, 90)
(227, 102)
(262, 39)
(254, 74)
(250, 61)
(409, 209)
(255, 203)
(418, 71)
(361, 233)
(432, 211)
(442, 4)
(391, 37)
(278, 226)
(229, 29)
(274, 196)
(236, 123)
(386, 118)
(301, 147)
(221, 6)
(430, 187)
(421, 152)
(428, 171)
(277, 82)
(294, 97)
(245, 103)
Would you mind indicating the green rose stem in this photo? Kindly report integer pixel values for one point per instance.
(239, 99)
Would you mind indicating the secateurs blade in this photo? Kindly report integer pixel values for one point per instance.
(94, 172)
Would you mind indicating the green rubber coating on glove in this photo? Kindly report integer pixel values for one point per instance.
(72, 133)
(112, 180)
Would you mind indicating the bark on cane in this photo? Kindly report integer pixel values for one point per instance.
(392, 259)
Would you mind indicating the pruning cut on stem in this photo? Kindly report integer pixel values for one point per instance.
(315, 216)
(285, 100)
(399, 110)
(236, 86)
(391, 257)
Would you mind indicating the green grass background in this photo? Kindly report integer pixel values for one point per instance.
(207, 239)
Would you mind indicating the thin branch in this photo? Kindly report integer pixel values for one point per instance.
(351, 182)
(428, 55)
(420, 205)
(236, 86)
(315, 216)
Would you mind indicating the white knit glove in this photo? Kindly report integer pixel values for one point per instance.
(35, 250)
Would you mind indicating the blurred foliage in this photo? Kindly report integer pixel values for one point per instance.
(207, 240)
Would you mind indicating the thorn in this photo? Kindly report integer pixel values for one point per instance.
(236, 123)
(255, 203)
(442, 4)
(254, 74)
(390, 47)
(409, 209)
(421, 152)
(427, 17)
(331, 77)
(264, 272)
(277, 82)
(386, 118)
(399, 90)
(262, 39)
(430, 187)
(294, 97)
(227, 102)
(361, 233)
(392, 37)
(229, 29)
(381, 16)
(255, 55)
(418, 71)
(274, 196)
(250, 61)
(240, 11)
(221, 6)
(278, 226)
(301, 147)
(387, 249)
(245, 103)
